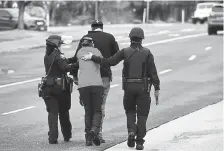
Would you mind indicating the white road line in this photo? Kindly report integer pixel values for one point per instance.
(174, 35)
(173, 39)
(17, 83)
(123, 39)
(192, 57)
(114, 85)
(164, 32)
(208, 48)
(165, 71)
(187, 30)
(27, 108)
(11, 71)
(146, 35)
(66, 46)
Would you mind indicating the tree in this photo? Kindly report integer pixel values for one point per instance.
(22, 5)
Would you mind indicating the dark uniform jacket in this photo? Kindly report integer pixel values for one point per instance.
(106, 44)
(135, 62)
(60, 65)
(59, 69)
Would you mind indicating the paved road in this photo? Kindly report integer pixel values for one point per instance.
(190, 68)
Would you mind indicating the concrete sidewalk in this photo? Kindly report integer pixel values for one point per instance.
(198, 131)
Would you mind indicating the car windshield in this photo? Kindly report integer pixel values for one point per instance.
(209, 6)
(217, 9)
(15, 13)
(204, 6)
(201, 6)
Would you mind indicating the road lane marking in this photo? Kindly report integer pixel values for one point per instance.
(192, 57)
(145, 45)
(18, 83)
(27, 108)
(164, 32)
(6, 71)
(208, 48)
(173, 39)
(174, 35)
(165, 71)
(11, 71)
(114, 85)
(187, 30)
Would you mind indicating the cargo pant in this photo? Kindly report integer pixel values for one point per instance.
(136, 100)
(59, 106)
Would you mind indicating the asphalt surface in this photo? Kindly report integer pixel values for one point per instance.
(190, 69)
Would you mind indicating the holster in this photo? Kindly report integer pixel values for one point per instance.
(70, 84)
(145, 82)
(66, 83)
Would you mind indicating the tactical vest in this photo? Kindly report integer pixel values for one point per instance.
(135, 62)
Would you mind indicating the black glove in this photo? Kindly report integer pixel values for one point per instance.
(75, 79)
(81, 102)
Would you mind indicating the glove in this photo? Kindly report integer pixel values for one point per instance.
(75, 79)
(81, 102)
(157, 96)
(87, 56)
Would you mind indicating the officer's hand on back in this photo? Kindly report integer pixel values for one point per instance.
(157, 96)
(87, 57)
(75, 79)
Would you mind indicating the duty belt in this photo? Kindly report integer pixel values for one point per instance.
(133, 80)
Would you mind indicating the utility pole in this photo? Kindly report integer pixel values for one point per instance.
(147, 11)
(96, 10)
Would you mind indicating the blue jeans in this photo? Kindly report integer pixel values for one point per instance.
(106, 85)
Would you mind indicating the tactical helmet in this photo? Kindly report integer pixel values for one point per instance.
(87, 41)
(137, 32)
(97, 23)
(54, 40)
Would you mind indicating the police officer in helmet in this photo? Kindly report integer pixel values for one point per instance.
(139, 73)
(57, 89)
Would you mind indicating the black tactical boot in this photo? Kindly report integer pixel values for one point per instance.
(139, 144)
(139, 147)
(131, 139)
(96, 139)
(89, 139)
(67, 139)
(53, 142)
(102, 140)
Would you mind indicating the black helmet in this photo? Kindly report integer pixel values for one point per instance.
(87, 41)
(97, 23)
(54, 40)
(137, 32)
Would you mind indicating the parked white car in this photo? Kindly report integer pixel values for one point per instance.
(202, 12)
